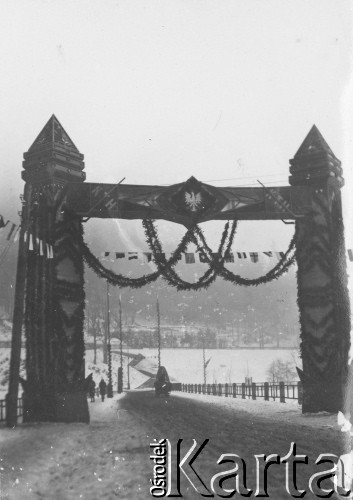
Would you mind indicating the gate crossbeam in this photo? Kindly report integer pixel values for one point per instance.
(188, 202)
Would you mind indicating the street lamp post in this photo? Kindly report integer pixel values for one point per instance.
(204, 359)
(120, 370)
(128, 362)
(110, 385)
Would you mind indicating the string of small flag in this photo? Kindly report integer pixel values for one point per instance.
(45, 249)
(193, 257)
(12, 227)
(11, 237)
(35, 244)
(190, 257)
(39, 246)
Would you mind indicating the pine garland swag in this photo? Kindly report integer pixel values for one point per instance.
(165, 268)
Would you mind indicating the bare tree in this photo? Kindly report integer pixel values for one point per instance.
(281, 370)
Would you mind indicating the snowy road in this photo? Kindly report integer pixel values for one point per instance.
(110, 458)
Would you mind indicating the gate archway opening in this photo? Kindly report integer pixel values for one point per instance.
(49, 298)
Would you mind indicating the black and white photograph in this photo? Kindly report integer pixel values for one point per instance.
(176, 249)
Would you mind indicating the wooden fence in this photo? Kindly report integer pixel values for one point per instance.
(3, 409)
(254, 391)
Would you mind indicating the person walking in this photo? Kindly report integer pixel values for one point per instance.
(92, 390)
(102, 388)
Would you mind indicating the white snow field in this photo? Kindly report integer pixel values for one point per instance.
(226, 365)
(186, 365)
(109, 458)
(183, 365)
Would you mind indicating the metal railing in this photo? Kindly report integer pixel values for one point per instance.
(3, 409)
(265, 390)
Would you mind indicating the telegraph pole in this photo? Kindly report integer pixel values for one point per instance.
(128, 362)
(120, 370)
(110, 385)
(204, 359)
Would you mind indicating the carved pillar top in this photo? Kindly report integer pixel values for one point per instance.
(53, 157)
(314, 163)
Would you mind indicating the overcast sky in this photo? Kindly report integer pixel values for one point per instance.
(157, 91)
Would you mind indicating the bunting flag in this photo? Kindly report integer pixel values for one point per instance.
(49, 252)
(229, 258)
(147, 256)
(13, 227)
(16, 234)
(4, 224)
(132, 255)
(254, 256)
(206, 363)
(35, 244)
(12, 232)
(190, 257)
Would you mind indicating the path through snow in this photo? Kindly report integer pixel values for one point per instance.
(109, 458)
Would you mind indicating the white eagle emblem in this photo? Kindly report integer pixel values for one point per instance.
(193, 200)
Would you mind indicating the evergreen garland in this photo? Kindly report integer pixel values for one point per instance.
(165, 268)
(281, 267)
(169, 274)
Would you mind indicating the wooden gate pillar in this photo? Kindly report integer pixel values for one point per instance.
(54, 388)
(322, 281)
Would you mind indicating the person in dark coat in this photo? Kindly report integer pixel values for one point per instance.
(92, 389)
(162, 384)
(102, 388)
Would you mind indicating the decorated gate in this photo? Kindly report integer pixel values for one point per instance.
(50, 283)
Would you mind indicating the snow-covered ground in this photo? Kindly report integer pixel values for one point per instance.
(225, 365)
(109, 458)
(289, 412)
